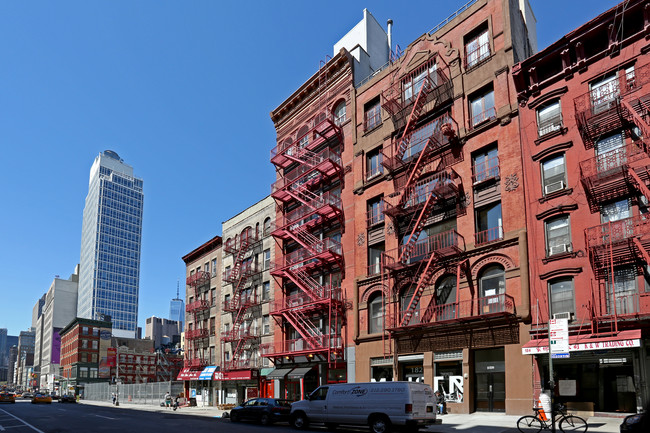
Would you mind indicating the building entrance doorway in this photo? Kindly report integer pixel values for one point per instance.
(490, 380)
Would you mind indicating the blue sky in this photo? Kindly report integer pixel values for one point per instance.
(182, 92)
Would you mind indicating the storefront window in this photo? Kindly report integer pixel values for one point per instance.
(448, 380)
(413, 372)
(382, 373)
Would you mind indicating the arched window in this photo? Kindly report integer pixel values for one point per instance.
(376, 314)
(302, 137)
(267, 226)
(492, 285)
(405, 300)
(247, 234)
(446, 298)
(339, 113)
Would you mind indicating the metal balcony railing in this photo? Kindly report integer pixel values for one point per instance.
(605, 164)
(196, 363)
(198, 278)
(307, 210)
(197, 306)
(488, 169)
(246, 270)
(617, 231)
(493, 234)
(196, 333)
(243, 301)
(477, 55)
(302, 255)
(299, 345)
(301, 300)
(485, 115)
(305, 172)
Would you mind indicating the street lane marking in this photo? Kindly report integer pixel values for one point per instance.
(107, 417)
(23, 421)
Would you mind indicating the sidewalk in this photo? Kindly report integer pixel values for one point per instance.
(208, 411)
(477, 422)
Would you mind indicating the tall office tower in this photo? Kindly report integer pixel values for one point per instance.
(110, 245)
(4, 355)
(177, 308)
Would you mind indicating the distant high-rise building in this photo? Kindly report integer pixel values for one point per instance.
(4, 355)
(177, 309)
(110, 245)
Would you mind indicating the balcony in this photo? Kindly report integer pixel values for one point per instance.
(618, 242)
(239, 334)
(301, 346)
(444, 245)
(318, 210)
(239, 364)
(196, 333)
(443, 185)
(242, 301)
(325, 251)
(326, 130)
(232, 246)
(606, 176)
(246, 270)
(488, 236)
(198, 279)
(624, 307)
(196, 363)
(478, 309)
(322, 166)
(303, 301)
(196, 306)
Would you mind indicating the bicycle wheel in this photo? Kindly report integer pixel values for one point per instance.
(573, 423)
(529, 424)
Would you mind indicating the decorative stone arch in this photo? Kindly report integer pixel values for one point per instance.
(302, 131)
(413, 56)
(247, 233)
(500, 259)
(442, 271)
(372, 289)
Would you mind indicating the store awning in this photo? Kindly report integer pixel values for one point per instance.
(299, 373)
(188, 374)
(208, 372)
(577, 343)
(278, 373)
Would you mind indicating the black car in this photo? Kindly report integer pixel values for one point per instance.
(263, 410)
(636, 423)
(67, 399)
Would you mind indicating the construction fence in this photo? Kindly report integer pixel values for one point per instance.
(139, 393)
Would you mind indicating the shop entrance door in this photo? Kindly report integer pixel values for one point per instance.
(490, 380)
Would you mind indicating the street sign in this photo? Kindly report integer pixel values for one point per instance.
(560, 355)
(559, 335)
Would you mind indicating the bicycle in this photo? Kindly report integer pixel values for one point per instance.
(567, 423)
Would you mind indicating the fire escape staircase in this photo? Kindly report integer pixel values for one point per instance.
(633, 109)
(303, 195)
(306, 283)
(312, 335)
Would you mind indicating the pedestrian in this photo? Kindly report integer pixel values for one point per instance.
(168, 400)
(440, 402)
(176, 401)
(114, 398)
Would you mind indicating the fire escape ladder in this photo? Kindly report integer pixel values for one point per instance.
(306, 239)
(239, 258)
(305, 157)
(417, 227)
(302, 194)
(640, 184)
(418, 105)
(423, 281)
(311, 334)
(636, 117)
(642, 250)
(307, 283)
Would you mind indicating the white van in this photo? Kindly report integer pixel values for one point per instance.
(379, 405)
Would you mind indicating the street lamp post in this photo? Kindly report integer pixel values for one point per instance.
(117, 377)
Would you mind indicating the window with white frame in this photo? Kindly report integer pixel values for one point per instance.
(214, 267)
(549, 118)
(376, 314)
(482, 107)
(477, 48)
(266, 324)
(374, 165)
(372, 114)
(562, 298)
(554, 174)
(266, 290)
(558, 235)
(267, 259)
(339, 113)
(413, 83)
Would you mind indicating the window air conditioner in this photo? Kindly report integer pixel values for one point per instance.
(566, 315)
(558, 249)
(553, 187)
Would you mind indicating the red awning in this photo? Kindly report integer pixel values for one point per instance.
(189, 374)
(622, 340)
(236, 375)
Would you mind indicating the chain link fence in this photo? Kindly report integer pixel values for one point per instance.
(139, 393)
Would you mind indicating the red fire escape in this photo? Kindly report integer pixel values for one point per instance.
(618, 173)
(197, 337)
(240, 335)
(306, 209)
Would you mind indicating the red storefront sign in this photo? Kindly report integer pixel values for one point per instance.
(235, 375)
(111, 356)
(189, 374)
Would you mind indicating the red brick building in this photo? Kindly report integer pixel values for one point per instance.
(584, 128)
(441, 294)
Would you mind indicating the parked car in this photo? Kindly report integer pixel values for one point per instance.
(55, 396)
(41, 398)
(27, 395)
(263, 410)
(379, 405)
(7, 397)
(67, 399)
(639, 422)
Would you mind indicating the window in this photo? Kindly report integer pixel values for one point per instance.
(84, 344)
(266, 324)
(558, 235)
(266, 290)
(549, 118)
(214, 267)
(374, 165)
(604, 93)
(376, 314)
(446, 297)
(206, 268)
(84, 330)
(227, 356)
(413, 83)
(477, 48)
(212, 325)
(554, 174)
(339, 113)
(213, 296)
(489, 224)
(482, 108)
(611, 152)
(372, 114)
(267, 259)
(405, 300)
(374, 258)
(375, 211)
(615, 211)
(492, 282)
(486, 164)
(624, 298)
(95, 344)
(562, 297)
(267, 226)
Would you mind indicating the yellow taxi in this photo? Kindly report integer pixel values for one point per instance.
(7, 397)
(41, 398)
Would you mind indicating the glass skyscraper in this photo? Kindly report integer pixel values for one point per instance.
(111, 234)
(177, 310)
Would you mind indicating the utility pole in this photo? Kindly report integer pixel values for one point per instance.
(117, 377)
(550, 363)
